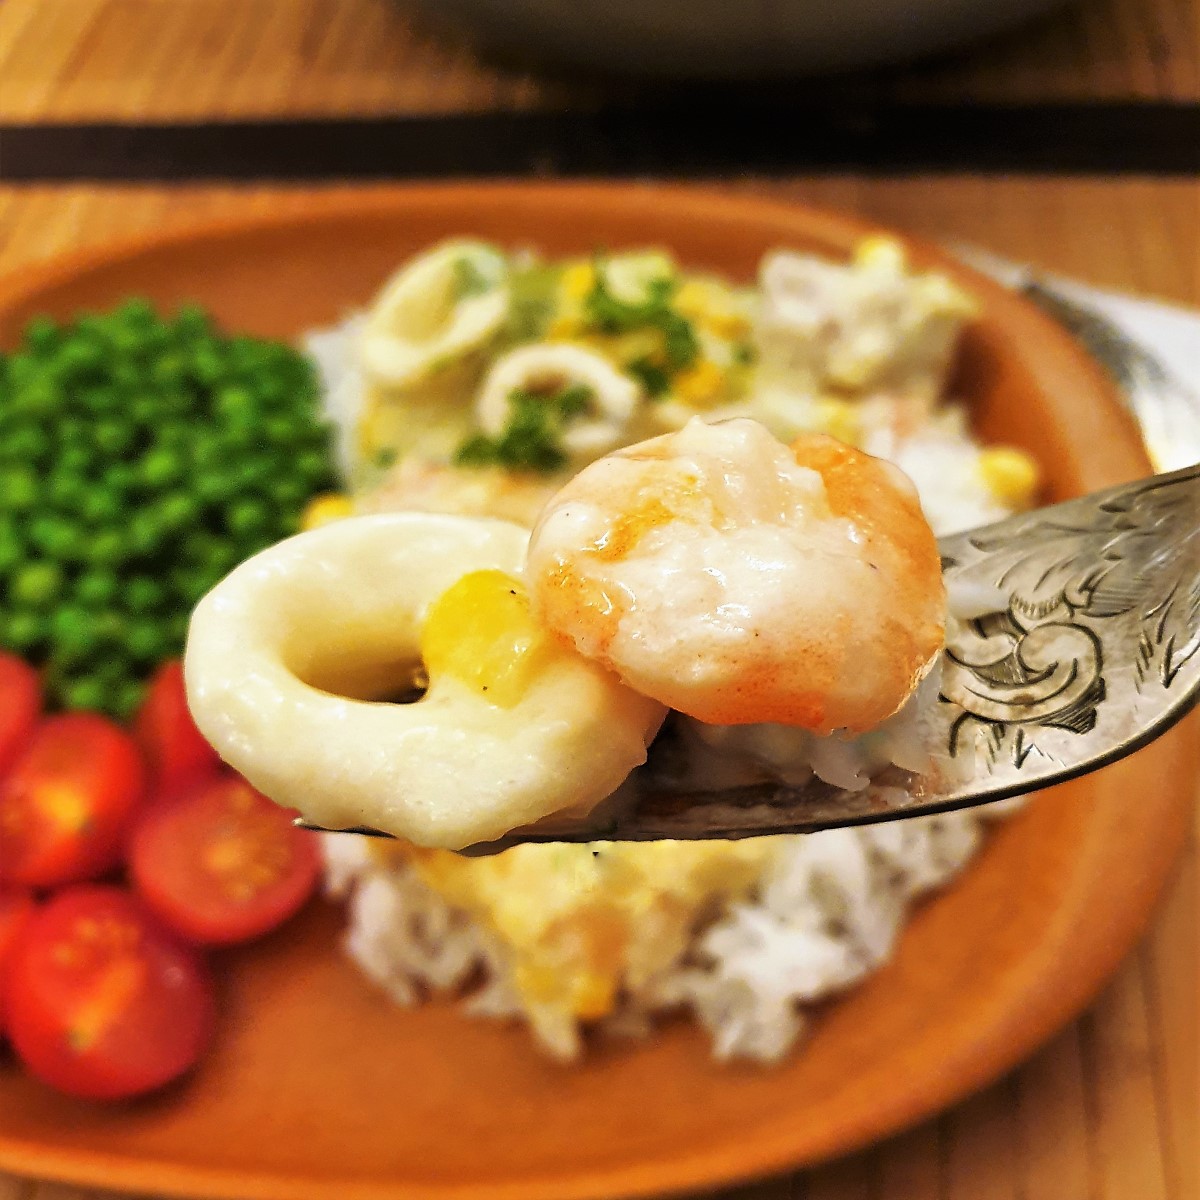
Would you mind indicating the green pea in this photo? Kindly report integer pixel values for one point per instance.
(128, 375)
(160, 467)
(97, 588)
(26, 444)
(313, 466)
(35, 585)
(66, 491)
(235, 404)
(108, 629)
(144, 409)
(55, 536)
(12, 553)
(253, 472)
(81, 357)
(107, 548)
(74, 631)
(174, 403)
(126, 699)
(75, 430)
(169, 370)
(41, 334)
(39, 399)
(101, 506)
(123, 479)
(74, 460)
(146, 533)
(215, 486)
(145, 643)
(18, 488)
(207, 452)
(113, 437)
(137, 313)
(289, 492)
(177, 435)
(247, 518)
(103, 400)
(25, 631)
(198, 546)
(207, 365)
(144, 595)
(177, 511)
(87, 694)
(192, 321)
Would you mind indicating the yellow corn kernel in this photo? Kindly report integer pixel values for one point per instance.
(700, 383)
(727, 324)
(838, 418)
(593, 995)
(584, 993)
(325, 508)
(709, 306)
(880, 252)
(578, 280)
(1010, 475)
(694, 299)
(563, 329)
(482, 632)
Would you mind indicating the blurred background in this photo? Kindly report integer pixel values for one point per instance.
(1066, 136)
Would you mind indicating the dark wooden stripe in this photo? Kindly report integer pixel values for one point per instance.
(705, 138)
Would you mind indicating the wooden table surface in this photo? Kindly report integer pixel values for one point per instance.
(1107, 1110)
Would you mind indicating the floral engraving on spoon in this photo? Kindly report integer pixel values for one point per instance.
(1099, 606)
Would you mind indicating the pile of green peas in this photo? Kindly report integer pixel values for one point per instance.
(141, 458)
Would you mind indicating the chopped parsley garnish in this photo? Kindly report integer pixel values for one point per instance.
(609, 314)
(469, 280)
(650, 375)
(744, 354)
(532, 439)
(533, 296)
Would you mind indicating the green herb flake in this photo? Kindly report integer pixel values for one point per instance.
(654, 380)
(608, 314)
(745, 354)
(469, 280)
(532, 439)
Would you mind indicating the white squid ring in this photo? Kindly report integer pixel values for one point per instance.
(417, 326)
(278, 651)
(535, 368)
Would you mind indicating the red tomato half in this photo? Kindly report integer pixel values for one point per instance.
(66, 805)
(177, 754)
(222, 863)
(16, 911)
(20, 703)
(103, 1003)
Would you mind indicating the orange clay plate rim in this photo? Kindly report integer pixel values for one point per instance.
(1129, 850)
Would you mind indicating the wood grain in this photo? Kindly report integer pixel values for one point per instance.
(74, 60)
(1107, 1110)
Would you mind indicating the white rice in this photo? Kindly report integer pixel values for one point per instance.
(825, 914)
(826, 911)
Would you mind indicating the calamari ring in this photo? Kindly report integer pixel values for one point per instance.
(286, 654)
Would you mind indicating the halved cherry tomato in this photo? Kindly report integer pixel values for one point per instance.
(102, 1002)
(20, 703)
(66, 806)
(222, 863)
(16, 911)
(177, 754)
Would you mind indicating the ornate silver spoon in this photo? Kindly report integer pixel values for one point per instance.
(1091, 652)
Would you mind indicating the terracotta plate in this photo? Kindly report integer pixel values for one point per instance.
(318, 1087)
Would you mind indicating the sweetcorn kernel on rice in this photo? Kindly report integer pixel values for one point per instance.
(479, 382)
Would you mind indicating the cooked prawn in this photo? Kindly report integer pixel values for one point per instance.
(741, 581)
